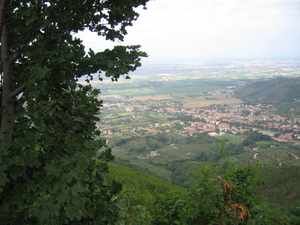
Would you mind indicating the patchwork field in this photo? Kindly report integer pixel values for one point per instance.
(152, 98)
(160, 127)
(202, 102)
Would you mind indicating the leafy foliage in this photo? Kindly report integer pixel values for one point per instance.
(139, 195)
(52, 162)
(221, 194)
(255, 137)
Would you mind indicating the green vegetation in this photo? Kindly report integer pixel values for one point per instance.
(284, 93)
(174, 87)
(255, 137)
(283, 183)
(139, 193)
(174, 165)
(169, 148)
(150, 138)
(220, 194)
(178, 157)
(51, 170)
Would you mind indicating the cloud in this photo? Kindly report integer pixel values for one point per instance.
(207, 29)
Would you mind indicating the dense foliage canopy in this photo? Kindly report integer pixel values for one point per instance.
(51, 169)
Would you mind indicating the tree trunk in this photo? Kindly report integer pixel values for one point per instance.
(2, 7)
(7, 101)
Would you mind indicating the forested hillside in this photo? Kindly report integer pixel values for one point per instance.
(163, 151)
(53, 162)
(219, 192)
(282, 92)
(272, 91)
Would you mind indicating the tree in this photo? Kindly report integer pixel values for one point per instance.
(51, 168)
(168, 209)
(254, 137)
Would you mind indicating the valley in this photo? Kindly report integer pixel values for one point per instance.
(170, 127)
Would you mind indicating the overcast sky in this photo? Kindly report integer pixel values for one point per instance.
(184, 30)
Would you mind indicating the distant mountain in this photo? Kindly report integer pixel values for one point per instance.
(272, 91)
(283, 93)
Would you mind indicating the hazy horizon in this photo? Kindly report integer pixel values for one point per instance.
(208, 30)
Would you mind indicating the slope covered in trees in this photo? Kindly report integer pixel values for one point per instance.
(52, 161)
(283, 93)
(222, 193)
(272, 91)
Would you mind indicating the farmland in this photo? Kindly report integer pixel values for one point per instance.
(169, 127)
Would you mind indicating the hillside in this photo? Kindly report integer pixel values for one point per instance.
(162, 141)
(284, 93)
(139, 183)
(140, 194)
(146, 199)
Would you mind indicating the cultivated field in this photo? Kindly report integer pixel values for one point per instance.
(152, 98)
(202, 102)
